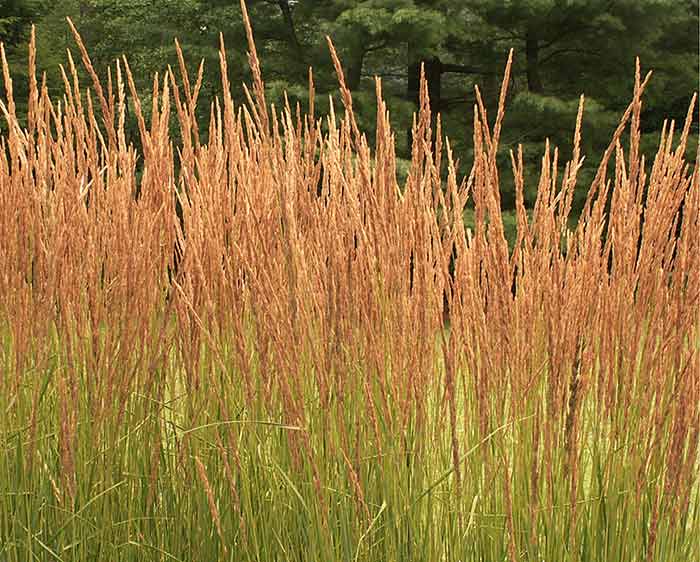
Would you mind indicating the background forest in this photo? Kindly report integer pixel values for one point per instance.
(563, 48)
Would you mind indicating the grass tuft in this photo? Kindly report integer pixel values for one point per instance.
(250, 342)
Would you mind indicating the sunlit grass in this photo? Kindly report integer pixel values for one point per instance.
(343, 374)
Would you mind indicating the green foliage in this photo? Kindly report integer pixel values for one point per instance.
(15, 17)
(137, 497)
(583, 46)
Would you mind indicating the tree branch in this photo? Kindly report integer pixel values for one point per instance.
(463, 69)
(573, 27)
(377, 47)
(461, 100)
(558, 52)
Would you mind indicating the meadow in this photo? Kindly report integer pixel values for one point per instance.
(336, 368)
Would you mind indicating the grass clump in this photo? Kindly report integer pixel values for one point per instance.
(334, 368)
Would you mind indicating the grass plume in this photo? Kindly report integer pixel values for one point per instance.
(309, 380)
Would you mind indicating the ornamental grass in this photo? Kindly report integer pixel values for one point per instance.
(248, 341)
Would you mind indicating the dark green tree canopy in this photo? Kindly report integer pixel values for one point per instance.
(563, 48)
(15, 17)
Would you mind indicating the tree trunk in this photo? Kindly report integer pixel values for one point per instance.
(353, 69)
(433, 75)
(532, 54)
(291, 29)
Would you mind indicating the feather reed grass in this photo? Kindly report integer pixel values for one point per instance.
(288, 390)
